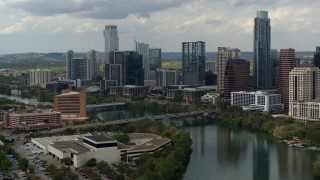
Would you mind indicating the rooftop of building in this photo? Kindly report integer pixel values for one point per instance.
(70, 146)
(256, 92)
(69, 93)
(99, 138)
(34, 113)
(306, 65)
(144, 142)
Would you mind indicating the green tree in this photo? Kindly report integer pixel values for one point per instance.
(23, 164)
(91, 162)
(123, 138)
(66, 161)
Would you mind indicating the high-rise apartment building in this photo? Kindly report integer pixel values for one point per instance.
(71, 103)
(39, 77)
(236, 77)
(111, 40)
(304, 82)
(125, 68)
(69, 56)
(155, 62)
(79, 69)
(286, 63)
(304, 93)
(316, 60)
(93, 64)
(262, 65)
(193, 63)
(223, 55)
(166, 77)
(143, 49)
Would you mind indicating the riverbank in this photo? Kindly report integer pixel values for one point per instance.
(282, 128)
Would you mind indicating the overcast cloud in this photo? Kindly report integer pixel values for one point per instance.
(59, 25)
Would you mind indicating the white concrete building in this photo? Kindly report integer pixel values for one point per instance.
(39, 77)
(81, 148)
(305, 111)
(259, 100)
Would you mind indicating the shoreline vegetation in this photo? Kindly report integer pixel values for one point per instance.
(283, 128)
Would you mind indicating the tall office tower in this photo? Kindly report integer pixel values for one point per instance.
(143, 49)
(125, 68)
(274, 57)
(155, 62)
(39, 77)
(134, 72)
(286, 63)
(69, 56)
(193, 63)
(262, 65)
(316, 60)
(79, 69)
(93, 64)
(111, 40)
(236, 77)
(166, 77)
(304, 83)
(223, 55)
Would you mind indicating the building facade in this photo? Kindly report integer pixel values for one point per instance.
(69, 57)
(274, 56)
(262, 65)
(71, 103)
(193, 63)
(166, 77)
(304, 81)
(80, 69)
(143, 49)
(155, 62)
(305, 110)
(93, 64)
(258, 101)
(39, 77)
(316, 60)
(111, 40)
(223, 55)
(236, 77)
(286, 63)
(125, 68)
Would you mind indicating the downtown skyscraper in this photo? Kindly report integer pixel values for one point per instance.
(193, 63)
(111, 40)
(262, 65)
(143, 49)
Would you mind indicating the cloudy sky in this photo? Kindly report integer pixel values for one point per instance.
(59, 25)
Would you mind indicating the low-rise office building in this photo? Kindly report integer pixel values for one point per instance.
(128, 90)
(71, 103)
(81, 148)
(32, 122)
(211, 98)
(259, 101)
(191, 95)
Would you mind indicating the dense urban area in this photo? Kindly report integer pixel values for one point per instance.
(122, 114)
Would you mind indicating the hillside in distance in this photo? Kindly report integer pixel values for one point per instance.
(43, 60)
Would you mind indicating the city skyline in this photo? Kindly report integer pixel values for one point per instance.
(78, 24)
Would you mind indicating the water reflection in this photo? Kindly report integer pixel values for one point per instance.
(224, 154)
(230, 147)
(260, 159)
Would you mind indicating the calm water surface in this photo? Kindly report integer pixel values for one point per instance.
(221, 153)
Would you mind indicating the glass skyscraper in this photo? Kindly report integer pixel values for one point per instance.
(193, 63)
(262, 65)
(111, 40)
(316, 60)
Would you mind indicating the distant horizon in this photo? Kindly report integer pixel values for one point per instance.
(57, 26)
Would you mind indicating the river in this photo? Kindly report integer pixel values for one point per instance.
(221, 153)
(25, 100)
